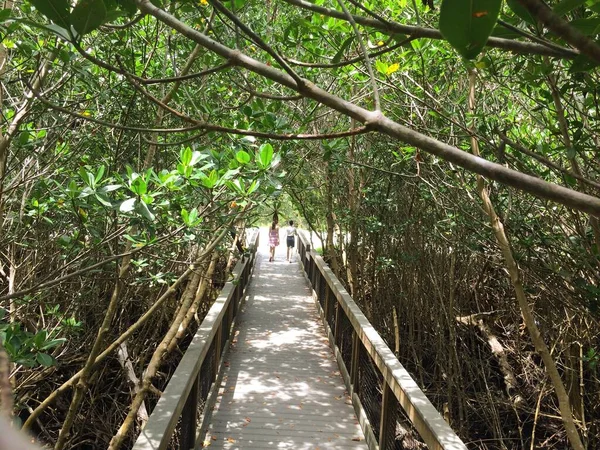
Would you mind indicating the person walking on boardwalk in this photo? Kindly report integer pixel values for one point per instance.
(273, 240)
(291, 233)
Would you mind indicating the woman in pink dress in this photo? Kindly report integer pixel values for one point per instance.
(273, 239)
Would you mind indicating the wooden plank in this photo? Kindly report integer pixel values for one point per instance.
(282, 384)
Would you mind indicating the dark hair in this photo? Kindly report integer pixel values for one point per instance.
(291, 222)
(273, 225)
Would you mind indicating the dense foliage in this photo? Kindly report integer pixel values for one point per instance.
(140, 138)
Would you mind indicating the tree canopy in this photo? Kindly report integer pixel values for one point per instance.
(446, 152)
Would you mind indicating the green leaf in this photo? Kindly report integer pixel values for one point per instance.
(128, 205)
(210, 180)
(521, 11)
(253, 187)
(45, 359)
(100, 173)
(24, 137)
(566, 6)
(239, 186)
(230, 174)
(186, 156)
(139, 186)
(185, 215)
(582, 63)
(59, 31)
(128, 6)
(109, 188)
(104, 200)
(88, 15)
(144, 211)
(340, 53)
(87, 177)
(40, 338)
(265, 155)
(588, 27)
(570, 180)
(196, 157)
(5, 14)
(467, 24)
(276, 160)
(381, 67)
(55, 10)
(72, 190)
(243, 157)
(193, 216)
(53, 343)
(502, 32)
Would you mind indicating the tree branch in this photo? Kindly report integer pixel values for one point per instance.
(430, 33)
(379, 122)
(365, 55)
(555, 23)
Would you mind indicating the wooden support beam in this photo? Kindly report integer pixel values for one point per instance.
(387, 420)
(355, 361)
(188, 419)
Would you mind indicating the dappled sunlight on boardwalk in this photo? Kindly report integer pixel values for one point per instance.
(282, 388)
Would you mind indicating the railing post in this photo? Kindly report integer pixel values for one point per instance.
(218, 349)
(354, 361)
(336, 330)
(318, 277)
(326, 305)
(233, 307)
(387, 418)
(188, 419)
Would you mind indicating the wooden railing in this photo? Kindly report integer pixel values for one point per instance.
(187, 393)
(377, 381)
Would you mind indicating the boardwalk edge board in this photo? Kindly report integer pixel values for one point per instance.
(157, 433)
(431, 426)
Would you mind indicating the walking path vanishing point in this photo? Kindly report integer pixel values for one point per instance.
(282, 387)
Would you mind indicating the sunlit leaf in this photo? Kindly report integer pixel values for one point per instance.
(128, 205)
(144, 211)
(265, 153)
(243, 157)
(393, 68)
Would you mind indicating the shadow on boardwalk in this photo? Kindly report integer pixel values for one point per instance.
(282, 388)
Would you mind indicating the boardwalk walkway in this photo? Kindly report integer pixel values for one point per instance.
(281, 388)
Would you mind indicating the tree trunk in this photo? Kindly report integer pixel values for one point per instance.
(515, 278)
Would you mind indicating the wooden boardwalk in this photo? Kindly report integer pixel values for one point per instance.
(281, 388)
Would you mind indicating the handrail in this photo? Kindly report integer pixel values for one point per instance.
(354, 339)
(199, 365)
